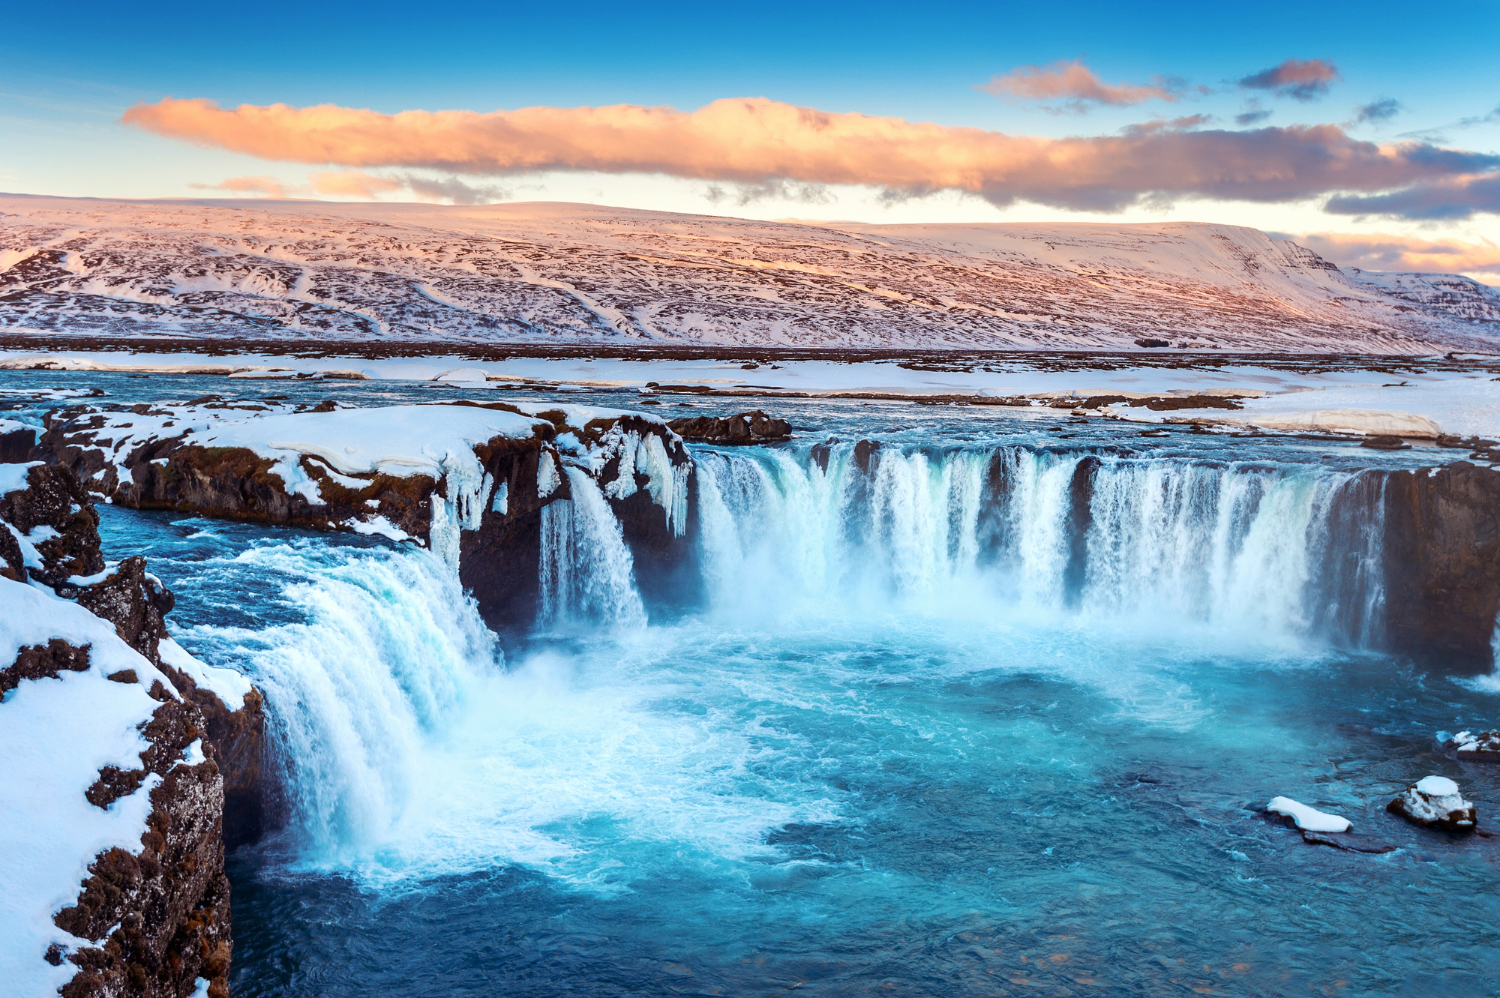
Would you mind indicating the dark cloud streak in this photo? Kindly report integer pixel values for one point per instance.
(1299, 79)
(1448, 199)
(1377, 111)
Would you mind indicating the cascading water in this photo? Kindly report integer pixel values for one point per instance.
(586, 569)
(1291, 549)
(389, 660)
(383, 657)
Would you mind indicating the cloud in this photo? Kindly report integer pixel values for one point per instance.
(1438, 134)
(743, 194)
(753, 140)
(1183, 124)
(1442, 199)
(1397, 253)
(266, 186)
(453, 190)
(353, 184)
(1301, 79)
(364, 186)
(1072, 82)
(1377, 111)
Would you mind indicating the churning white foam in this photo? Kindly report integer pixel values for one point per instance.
(413, 752)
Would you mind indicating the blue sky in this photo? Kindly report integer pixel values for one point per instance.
(67, 77)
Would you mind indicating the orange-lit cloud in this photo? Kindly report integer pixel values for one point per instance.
(353, 184)
(265, 186)
(1398, 253)
(1071, 81)
(752, 140)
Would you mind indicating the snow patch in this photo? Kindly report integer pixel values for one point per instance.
(1306, 818)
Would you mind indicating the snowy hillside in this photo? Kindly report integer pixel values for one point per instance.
(541, 273)
(1450, 294)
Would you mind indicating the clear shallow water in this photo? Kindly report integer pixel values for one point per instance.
(873, 762)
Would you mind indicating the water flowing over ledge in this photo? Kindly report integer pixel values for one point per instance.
(576, 516)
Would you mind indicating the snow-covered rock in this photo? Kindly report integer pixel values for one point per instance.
(1362, 421)
(1306, 818)
(548, 274)
(1475, 746)
(1435, 802)
(426, 471)
(111, 797)
(470, 479)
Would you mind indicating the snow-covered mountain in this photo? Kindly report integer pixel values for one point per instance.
(550, 273)
(1451, 294)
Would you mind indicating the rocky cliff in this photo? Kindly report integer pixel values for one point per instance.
(90, 651)
(470, 480)
(1442, 556)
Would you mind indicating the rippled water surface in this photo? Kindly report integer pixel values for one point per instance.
(874, 760)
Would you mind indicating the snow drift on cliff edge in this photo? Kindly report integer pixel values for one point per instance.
(565, 273)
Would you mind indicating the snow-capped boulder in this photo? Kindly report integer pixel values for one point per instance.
(1306, 818)
(1470, 746)
(1435, 802)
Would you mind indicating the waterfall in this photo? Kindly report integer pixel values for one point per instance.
(1295, 550)
(587, 573)
(381, 653)
(410, 748)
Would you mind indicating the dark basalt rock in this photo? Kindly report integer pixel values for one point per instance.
(500, 562)
(159, 918)
(1080, 518)
(54, 498)
(1347, 842)
(44, 662)
(753, 427)
(135, 602)
(1169, 403)
(865, 452)
(1442, 565)
(18, 446)
(12, 561)
(1430, 808)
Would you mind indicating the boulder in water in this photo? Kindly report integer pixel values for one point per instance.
(1306, 818)
(1435, 802)
(1468, 746)
(1348, 842)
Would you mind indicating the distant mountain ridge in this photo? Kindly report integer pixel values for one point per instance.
(541, 272)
